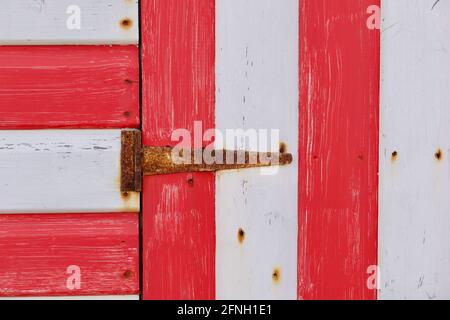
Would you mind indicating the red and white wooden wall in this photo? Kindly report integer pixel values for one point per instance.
(366, 195)
(66, 230)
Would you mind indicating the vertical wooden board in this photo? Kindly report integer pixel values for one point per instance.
(179, 237)
(257, 88)
(45, 22)
(38, 254)
(178, 54)
(339, 86)
(69, 86)
(62, 171)
(414, 223)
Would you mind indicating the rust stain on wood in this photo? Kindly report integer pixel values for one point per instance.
(126, 23)
(190, 180)
(241, 235)
(137, 161)
(394, 156)
(439, 155)
(283, 147)
(128, 274)
(276, 275)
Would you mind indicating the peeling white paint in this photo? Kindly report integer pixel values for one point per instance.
(414, 216)
(62, 171)
(257, 88)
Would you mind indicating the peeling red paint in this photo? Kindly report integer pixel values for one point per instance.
(178, 55)
(69, 87)
(338, 182)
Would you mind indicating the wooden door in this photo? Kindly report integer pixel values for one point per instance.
(303, 67)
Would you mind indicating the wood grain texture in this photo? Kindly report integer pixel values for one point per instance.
(36, 251)
(68, 86)
(257, 88)
(178, 53)
(339, 87)
(178, 61)
(414, 247)
(49, 22)
(62, 171)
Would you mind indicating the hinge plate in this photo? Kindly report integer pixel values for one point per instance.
(130, 162)
(137, 160)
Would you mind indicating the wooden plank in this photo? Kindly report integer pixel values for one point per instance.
(414, 223)
(68, 86)
(39, 255)
(178, 67)
(257, 88)
(125, 297)
(178, 53)
(179, 237)
(51, 22)
(339, 87)
(51, 171)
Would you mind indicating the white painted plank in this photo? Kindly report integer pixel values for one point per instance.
(414, 221)
(52, 171)
(48, 22)
(257, 87)
(129, 297)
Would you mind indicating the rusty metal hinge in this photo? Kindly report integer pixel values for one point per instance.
(138, 160)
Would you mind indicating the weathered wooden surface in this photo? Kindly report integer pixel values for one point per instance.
(69, 87)
(414, 238)
(37, 252)
(178, 237)
(178, 53)
(58, 171)
(32, 22)
(257, 88)
(339, 84)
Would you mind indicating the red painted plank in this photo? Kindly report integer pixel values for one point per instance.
(338, 180)
(69, 86)
(37, 252)
(178, 57)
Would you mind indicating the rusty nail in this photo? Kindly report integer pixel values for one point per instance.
(241, 235)
(126, 23)
(190, 180)
(394, 156)
(128, 274)
(438, 155)
(276, 275)
(137, 160)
